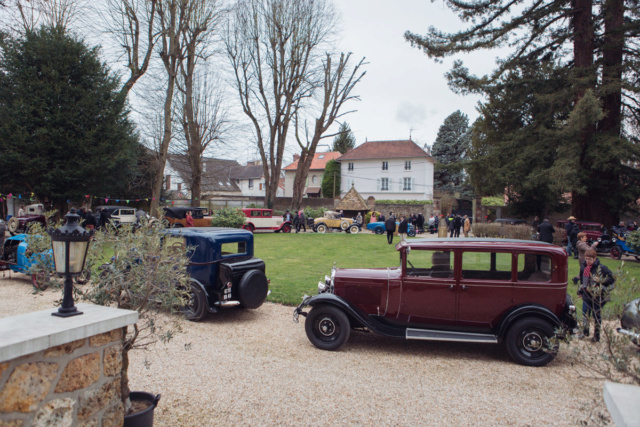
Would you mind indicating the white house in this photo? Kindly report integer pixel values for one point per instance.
(388, 170)
(216, 176)
(312, 187)
(250, 180)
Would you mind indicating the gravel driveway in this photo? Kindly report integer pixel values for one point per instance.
(258, 368)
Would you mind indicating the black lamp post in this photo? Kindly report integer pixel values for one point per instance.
(70, 244)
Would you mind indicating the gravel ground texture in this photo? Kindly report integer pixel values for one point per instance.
(257, 367)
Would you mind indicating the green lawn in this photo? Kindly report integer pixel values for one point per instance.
(297, 262)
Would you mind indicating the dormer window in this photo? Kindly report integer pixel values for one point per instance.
(350, 166)
(385, 166)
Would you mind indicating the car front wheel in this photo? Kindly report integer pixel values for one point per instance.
(528, 342)
(616, 252)
(354, 229)
(379, 230)
(286, 229)
(327, 327)
(196, 308)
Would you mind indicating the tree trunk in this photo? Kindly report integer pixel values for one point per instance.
(302, 171)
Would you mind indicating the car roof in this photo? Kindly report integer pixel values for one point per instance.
(480, 243)
(114, 207)
(181, 211)
(208, 231)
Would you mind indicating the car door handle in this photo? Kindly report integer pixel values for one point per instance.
(451, 287)
(465, 287)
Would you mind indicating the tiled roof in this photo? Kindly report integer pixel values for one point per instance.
(384, 150)
(353, 201)
(247, 172)
(215, 176)
(319, 161)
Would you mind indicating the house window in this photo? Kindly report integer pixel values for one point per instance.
(407, 184)
(407, 165)
(385, 166)
(384, 184)
(250, 183)
(313, 179)
(350, 166)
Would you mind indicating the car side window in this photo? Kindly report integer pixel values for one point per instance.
(127, 212)
(233, 248)
(534, 268)
(486, 265)
(437, 264)
(256, 213)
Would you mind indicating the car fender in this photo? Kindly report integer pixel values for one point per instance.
(356, 316)
(210, 307)
(529, 310)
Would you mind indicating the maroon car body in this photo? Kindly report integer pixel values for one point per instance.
(20, 224)
(593, 230)
(469, 290)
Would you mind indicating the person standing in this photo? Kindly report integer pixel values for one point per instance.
(21, 211)
(572, 230)
(381, 218)
(596, 282)
(432, 224)
(296, 222)
(90, 221)
(466, 226)
(457, 223)
(359, 218)
(105, 216)
(403, 228)
(303, 222)
(535, 223)
(189, 219)
(546, 231)
(287, 216)
(582, 246)
(390, 227)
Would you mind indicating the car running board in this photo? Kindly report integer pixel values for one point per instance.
(434, 335)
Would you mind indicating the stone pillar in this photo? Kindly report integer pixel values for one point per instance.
(63, 371)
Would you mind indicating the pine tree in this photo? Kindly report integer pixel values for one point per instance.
(64, 134)
(331, 179)
(345, 141)
(450, 151)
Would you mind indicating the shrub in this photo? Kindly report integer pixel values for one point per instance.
(634, 240)
(228, 217)
(493, 201)
(314, 213)
(404, 202)
(505, 231)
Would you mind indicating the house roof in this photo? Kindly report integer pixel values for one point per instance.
(385, 150)
(319, 161)
(215, 176)
(247, 172)
(353, 201)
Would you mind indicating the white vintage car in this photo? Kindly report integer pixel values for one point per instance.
(263, 219)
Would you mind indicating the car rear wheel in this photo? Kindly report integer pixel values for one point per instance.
(528, 342)
(378, 230)
(616, 252)
(321, 228)
(196, 308)
(354, 229)
(327, 327)
(40, 280)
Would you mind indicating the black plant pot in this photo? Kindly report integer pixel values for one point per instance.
(143, 418)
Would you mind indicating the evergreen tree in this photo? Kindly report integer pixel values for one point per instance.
(345, 141)
(64, 134)
(331, 179)
(598, 43)
(450, 151)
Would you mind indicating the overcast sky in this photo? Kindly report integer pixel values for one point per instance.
(404, 92)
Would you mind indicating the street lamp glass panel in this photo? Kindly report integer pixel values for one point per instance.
(59, 250)
(77, 252)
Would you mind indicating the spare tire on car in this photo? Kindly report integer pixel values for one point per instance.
(253, 289)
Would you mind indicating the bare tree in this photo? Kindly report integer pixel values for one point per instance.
(27, 15)
(202, 115)
(203, 126)
(337, 86)
(171, 20)
(272, 47)
(131, 24)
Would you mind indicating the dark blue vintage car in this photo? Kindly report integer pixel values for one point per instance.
(16, 256)
(223, 269)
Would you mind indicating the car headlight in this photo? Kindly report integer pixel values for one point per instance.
(321, 287)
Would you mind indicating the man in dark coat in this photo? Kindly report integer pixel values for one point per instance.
(546, 231)
(403, 228)
(457, 223)
(596, 281)
(390, 227)
(572, 230)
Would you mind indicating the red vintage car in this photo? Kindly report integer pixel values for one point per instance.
(20, 224)
(467, 290)
(593, 230)
(263, 219)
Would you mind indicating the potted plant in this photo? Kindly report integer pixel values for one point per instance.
(146, 275)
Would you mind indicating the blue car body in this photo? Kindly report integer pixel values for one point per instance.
(378, 228)
(17, 258)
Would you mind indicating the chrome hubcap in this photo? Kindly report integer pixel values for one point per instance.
(327, 327)
(532, 342)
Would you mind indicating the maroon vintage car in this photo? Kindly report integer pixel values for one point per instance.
(593, 230)
(20, 224)
(468, 290)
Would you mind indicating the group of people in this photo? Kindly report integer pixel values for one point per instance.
(94, 221)
(457, 222)
(299, 220)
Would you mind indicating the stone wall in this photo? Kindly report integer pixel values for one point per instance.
(73, 384)
(399, 209)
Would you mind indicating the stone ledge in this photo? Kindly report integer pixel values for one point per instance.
(623, 402)
(32, 332)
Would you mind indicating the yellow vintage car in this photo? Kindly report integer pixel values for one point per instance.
(333, 220)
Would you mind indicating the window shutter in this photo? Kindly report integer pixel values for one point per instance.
(390, 184)
(378, 183)
(413, 184)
